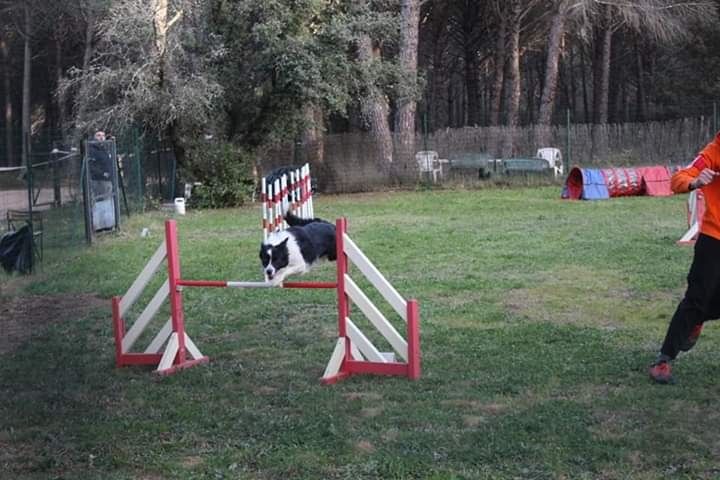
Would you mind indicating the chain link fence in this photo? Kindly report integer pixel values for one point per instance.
(49, 191)
(356, 162)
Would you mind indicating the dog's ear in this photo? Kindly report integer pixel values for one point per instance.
(283, 242)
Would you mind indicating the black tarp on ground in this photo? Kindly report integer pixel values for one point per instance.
(16, 250)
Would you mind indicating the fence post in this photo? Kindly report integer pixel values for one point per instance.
(139, 178)
(30, 189)
(567, 145)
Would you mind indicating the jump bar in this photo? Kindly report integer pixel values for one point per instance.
(226, 284)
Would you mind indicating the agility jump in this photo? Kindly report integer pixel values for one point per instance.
(353, 354)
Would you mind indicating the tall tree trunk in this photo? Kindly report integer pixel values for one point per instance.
(570, 81)
(498, 80)
(585, 96)
(314, 134)
(617, 79)
(408, 56)
(9, 120)
(640, 113)
(89, 33)
(161, 25)
(60, 104)
(602, 77)
(313, 140)
(27, 55)
(438, 73)
(649, 88)
(472, 83)
(87, 55)
(451, 102)
(375, 108)
(547, 100)
(513, 109)
(462, 104)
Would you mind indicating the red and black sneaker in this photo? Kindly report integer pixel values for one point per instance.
(692, 339)
(661, 372)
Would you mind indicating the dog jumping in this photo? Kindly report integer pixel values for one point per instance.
(297, 249)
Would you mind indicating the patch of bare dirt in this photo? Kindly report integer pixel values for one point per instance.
(22, 316)
(364, 446)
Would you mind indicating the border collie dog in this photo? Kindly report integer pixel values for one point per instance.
(298, 248)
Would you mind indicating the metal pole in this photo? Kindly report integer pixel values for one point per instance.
(139, 169)
(87, 194)
(567, 145)
(57, 193)
(425, 130)
(172, 178)
(29, 176)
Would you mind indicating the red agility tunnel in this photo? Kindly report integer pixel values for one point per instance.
(623, 182)
(656, 181)
(592, 184)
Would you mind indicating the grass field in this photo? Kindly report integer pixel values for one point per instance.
(538, 318)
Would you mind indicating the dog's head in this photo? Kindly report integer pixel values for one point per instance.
(274, 258)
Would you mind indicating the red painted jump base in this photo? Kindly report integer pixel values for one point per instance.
(353, 354)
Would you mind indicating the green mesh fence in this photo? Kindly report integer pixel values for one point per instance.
(50, 192)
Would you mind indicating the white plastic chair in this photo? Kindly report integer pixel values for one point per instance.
(429, 163)
(554, 159)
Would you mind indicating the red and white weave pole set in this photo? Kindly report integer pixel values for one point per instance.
(353, 354)
(292, 191)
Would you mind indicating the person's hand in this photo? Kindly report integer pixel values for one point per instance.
(106, 175)
(706, 176)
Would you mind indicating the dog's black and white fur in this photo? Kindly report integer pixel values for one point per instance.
(298, 248)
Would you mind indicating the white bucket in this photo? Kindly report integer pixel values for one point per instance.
(180, 206)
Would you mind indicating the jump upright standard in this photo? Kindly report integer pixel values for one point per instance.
(354, 353)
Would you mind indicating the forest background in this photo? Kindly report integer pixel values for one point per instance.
(276, 81)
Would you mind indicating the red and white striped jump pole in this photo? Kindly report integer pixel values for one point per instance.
(230, 284)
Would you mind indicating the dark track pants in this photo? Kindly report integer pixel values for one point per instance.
(702, 298)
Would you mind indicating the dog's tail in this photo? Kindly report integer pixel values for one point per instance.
(294, 221)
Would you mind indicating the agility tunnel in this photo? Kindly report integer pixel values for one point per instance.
(172, 349)
(599, 184)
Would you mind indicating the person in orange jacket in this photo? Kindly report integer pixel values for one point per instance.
(702, 297)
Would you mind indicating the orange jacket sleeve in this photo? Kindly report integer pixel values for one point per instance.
(680, 181)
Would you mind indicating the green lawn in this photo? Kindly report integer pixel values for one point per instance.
(538, 320)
